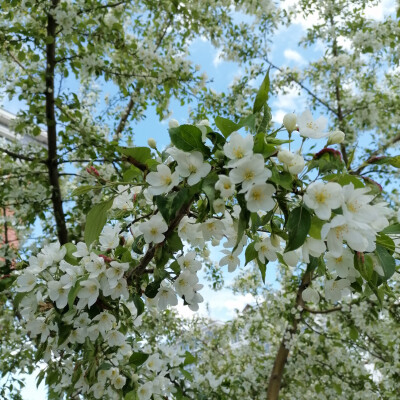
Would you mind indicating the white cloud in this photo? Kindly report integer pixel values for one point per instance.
(378, 12)
(217, 58)
(289, 102)
(292, 55)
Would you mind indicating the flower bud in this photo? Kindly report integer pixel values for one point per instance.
(204, 122)
(152, 143)
(219, 206)
(173, 123)
(336, 137)
(289, 122)
(275, 240)
(285, 156)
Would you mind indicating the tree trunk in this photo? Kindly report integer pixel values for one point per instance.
(281, 357)
(52, 162)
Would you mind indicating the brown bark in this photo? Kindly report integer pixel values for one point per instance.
(339, 113)
(52, 162)
(281, 357)
(144, 262)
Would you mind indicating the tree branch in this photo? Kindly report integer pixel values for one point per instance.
(305, 88)
(312, 311)
(52, 162)
(144, 262)
(20, 156)
(281, 357)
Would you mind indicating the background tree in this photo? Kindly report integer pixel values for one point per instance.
(82, 41)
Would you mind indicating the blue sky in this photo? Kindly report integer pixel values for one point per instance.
(284, 52)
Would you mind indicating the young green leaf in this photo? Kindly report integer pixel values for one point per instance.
(262, 95)
(137, 358)
(226, 126)
(386, 260)
(95, 221)
(298, 226)
(188, 138)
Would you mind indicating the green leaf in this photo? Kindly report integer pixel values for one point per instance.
(141, 154)
(385, 241)
(74, 292)
(52, 378)
(132, 173)
(174, 242)
(260, 146)
(169, 205)
(164, 204)
(392, 229)
(263, 268)
(244, 218)
(282, 178)
(138, 358)
(186, 374)
(344, 179)
(337, 387)
(70, 248)
(267, 116)
(217, 140)
(208, 187)
(189, 359)
(248, 122)
(386, 260)
(277, 142)
(298, 226)
(353, 332)
(188, 138)
(250, 253)
(84, 189)
(5, 283)
(131, 395)
(95, 221)
(262, 95)
(152, 289)
(316, 226)
(139, 304)
(138, 244)
(175, 267)
(226, 126)
(64, 332)
(105, 366)
(395, 161)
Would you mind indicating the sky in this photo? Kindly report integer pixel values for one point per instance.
(284, 52)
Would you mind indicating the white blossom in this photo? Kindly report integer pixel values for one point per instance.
(259, 197)
(163, 180)
(323, 197)
(230, 259)
(309, 128)
(249, 171)
(266, 250)
(109, 237)
(238, 147)
(310, 295)
(192, 166)
(153, 229)
(225, 186)
(26, 282)
(165, 296)
(336, 289)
